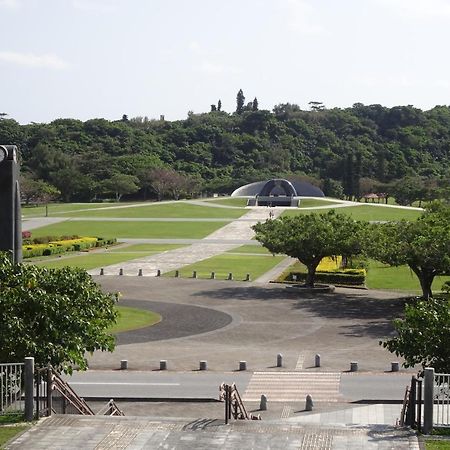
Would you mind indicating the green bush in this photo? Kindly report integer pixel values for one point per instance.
(339, 278)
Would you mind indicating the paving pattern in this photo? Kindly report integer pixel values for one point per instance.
(132, 433)
(294, 386)
(220, 241)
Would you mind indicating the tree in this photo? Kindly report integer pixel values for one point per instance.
(37, 191)
(219, 105)
(424, 245)
(255, 104)
(423, 335)
(240, 100)
(121, 184)
(311, 237)
(54, 315)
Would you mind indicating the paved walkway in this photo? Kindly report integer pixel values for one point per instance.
(218, 242)
(133, 433)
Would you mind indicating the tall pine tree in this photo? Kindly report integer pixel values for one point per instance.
(240, 99)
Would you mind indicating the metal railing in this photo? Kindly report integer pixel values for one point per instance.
(234, 406)
(11, 387)
(110, 409)
(441, 413)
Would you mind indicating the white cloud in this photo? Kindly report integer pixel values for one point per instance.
(302, 17)
(217, 69)
(418, 8)
(32, 60)
(11, 4)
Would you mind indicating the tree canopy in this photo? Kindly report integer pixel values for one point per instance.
(311, 237)
(423, 335)
(424, 245)
(222, 151)
(54, 315)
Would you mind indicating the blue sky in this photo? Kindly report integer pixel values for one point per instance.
(104, 58)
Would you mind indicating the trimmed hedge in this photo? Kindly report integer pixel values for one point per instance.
(349, 277)
(52, 246)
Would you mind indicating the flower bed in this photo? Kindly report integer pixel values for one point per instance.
(56, 246)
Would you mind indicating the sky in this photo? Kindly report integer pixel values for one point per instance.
(87, 59)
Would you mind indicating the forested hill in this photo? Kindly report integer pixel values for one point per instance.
(347, 150)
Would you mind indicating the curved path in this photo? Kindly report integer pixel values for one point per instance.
(177, 321)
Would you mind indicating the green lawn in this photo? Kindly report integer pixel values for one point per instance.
(124, 229)
(365, 212)
(238, 202)
(311, 202)
(145, 248)
(437, 445)
(133, 318)
(223, 264)
(56, 209)
(8, 432)
(178, 210)
(250, 249)
(88, 261)
(380, 276)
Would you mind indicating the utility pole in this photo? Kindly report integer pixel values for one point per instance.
(10, 215)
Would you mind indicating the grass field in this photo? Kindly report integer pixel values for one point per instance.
(250, 249)
(237, 202)
(88, 261)
(56, 209)
(437, 445)
(124, 229)
(312, 202)
(380, 276)
(239, 265)
(177, 210)
(133, 318)
(365, 212)
(145, 248)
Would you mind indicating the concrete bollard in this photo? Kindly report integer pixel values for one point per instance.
(279, 360)
(263, 403)
(309, 403)
(317, 360)
(140, 273)
(230, 276)
(203, 365)
(163, 364)
(158, 273)
(177, 274)
(213, 275)
(242, 365)
(247, 278)
(354, 366)
(194, 274)
(395, 366)
(121, 271)
(102, 271)
(124, 364)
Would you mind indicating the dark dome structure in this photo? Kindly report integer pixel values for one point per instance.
(277, 192)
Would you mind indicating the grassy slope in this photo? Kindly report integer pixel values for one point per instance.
(145, 248)
(124, 229)
(230, 201)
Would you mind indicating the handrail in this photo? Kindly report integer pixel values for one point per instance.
(110, 409)
(71, 396)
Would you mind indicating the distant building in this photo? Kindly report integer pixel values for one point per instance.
(277, 192)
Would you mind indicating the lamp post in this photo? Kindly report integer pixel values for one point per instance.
(10, 215)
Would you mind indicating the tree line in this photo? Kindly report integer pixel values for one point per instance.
(400, 151)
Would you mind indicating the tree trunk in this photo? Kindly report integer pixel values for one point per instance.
(426, 280)
(309, 282)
